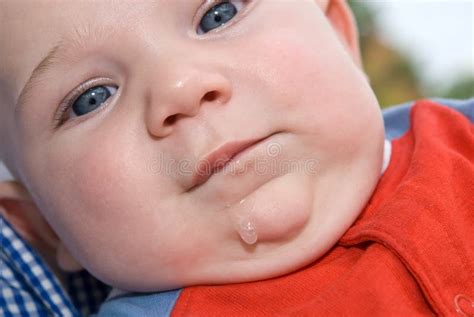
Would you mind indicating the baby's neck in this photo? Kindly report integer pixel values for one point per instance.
(387, 154)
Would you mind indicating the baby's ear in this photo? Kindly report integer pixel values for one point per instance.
(340, 15)
(19, 209)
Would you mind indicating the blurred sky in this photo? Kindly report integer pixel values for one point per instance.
(437, 33)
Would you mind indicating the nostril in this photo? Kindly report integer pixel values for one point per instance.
(210, 96)
(171, 120)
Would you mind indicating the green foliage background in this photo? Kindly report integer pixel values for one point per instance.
(394, 75)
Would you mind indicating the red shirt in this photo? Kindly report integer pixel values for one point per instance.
(410, 252)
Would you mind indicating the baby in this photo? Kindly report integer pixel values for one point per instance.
(177, 144)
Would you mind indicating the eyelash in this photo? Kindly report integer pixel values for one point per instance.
(209, 4)
(68, 102)
(66, 105)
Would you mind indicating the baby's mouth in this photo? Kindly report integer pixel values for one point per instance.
(219, 158)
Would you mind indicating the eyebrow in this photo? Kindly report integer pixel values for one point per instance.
(80, 37)
(43, 67)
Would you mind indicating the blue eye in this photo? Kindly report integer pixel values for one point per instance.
(92, 99)
(218, 15)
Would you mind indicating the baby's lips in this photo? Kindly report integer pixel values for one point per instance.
(219, 157)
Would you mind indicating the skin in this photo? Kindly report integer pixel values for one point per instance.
(284, 67)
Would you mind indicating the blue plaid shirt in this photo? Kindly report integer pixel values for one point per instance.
(29, 288)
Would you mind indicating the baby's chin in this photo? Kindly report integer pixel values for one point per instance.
(273, 213)
(275, 233)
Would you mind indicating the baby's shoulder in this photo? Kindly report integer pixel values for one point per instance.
(397, 118)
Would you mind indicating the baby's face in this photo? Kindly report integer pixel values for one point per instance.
(227, 154)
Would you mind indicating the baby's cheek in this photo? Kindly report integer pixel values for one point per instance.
(99, 179)
(297, 78)
(284, 62)
(93, 192)
(110, 208)
(319, 88)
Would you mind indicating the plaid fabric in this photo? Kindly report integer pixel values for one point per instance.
(86, 292)
(29, 288)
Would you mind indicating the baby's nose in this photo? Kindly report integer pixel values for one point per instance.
(184, 91)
